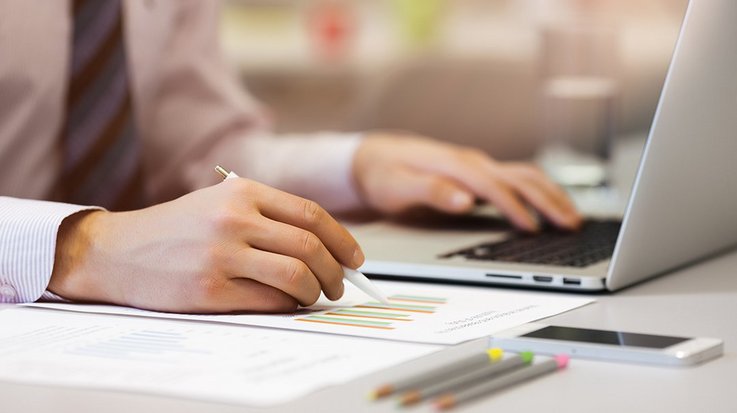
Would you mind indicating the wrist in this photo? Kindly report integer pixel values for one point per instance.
(74, 244)
(358, 169)
(371, 162)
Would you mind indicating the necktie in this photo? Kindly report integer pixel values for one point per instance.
(100, 150)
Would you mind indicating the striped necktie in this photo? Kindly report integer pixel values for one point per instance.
(101, 153)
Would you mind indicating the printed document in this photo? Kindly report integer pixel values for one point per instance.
(207, 361)
(422, 313)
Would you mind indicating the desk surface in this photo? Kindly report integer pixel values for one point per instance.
(697, 301)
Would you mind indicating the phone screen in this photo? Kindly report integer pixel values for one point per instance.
(616, 338)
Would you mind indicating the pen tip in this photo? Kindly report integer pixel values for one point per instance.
(219, 169)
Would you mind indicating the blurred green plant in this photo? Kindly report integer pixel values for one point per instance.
(419, 20)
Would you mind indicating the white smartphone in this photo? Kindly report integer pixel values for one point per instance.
(608, 345)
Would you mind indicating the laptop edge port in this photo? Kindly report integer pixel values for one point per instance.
(571, 281)
(542, 278)
(507, 276)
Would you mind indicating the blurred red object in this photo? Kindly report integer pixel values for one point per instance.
(332, 25)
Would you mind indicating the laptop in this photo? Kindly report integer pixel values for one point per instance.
(682, 207)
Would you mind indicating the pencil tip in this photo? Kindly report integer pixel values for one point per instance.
(382, 391)
(444, 402)
(410, 397)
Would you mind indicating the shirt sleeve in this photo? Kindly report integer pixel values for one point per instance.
(198, 114)
(28, 231)
(317, 167)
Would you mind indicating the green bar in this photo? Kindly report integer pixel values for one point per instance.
(370, 313)
(395, 305)
(421, 298)
(350, 321)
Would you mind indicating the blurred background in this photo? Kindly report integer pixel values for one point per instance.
(508, 76)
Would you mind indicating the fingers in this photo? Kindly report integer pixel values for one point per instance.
(510, 186)
(287, 243)
(308, 215)
(284, 239)
(408, 188)
(479, 173)
(544, 195)
(440, 192)
(242, 294)
(397, 172)
(507, 201)
(541, 201)
(287, 274)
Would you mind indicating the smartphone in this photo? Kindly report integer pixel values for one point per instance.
(608, 345)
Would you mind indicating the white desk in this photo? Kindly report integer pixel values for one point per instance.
(697, 301)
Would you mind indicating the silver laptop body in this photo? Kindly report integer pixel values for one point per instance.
(682, 207)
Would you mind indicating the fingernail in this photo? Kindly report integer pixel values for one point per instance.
(358, 258)
(460, 200)
(575, 220)
(531, 225)
(566, 221)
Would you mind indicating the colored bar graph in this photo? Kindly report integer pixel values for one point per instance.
(376, 315)
(347, 322)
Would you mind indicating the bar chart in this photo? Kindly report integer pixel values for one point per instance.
(375, 315)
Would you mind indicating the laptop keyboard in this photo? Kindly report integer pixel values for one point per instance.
(593, 243)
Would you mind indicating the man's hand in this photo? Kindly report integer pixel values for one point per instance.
(235, 246)
(394, 173)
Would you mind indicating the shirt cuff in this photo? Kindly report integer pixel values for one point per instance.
(316, 166)
(48, 296)
(28, 232)
(320, 168)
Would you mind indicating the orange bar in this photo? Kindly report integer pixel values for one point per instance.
(345, 324)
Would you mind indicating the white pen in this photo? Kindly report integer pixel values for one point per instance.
(355, 277)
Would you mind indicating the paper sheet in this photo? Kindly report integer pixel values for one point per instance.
(422, 313)
(216, 362)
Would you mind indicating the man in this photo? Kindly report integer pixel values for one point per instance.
(130, 105)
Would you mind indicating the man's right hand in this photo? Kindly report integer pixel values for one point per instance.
(235, 246)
